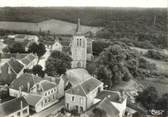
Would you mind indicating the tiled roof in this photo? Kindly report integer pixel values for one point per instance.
(108, 107)
(77, 76)
(46, 85)
(84, 88)
(23, 80)
(12, 106)
(77, 90)
(112, 95)
(15, 65)
(28, 59)
(33, 99)
(90, 85)
(20, 36)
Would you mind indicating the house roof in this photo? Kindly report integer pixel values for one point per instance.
(84, 88)
(77, 76)
(23, 81)
(112, 95)
(15, 65)
(77, 90)
(12, 106)
(20, 36)
(33, 99)
(28, 59)
(46, 85)
(108, 107)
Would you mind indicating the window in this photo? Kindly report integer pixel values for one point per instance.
(25, 111)
(67, 105)
(45, 100)
(77, 42)
(18, 114)
(80, 42)
(81, 109)
(73, 98)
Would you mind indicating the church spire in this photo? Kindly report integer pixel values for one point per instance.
(78, 28)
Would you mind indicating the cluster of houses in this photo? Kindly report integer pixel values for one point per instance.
(84, 94)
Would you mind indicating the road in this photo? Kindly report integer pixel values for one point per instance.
(53, 109)
(44, 58)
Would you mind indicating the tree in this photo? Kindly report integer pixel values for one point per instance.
(37, 69)
(33, 48)
(162, 104)
(99, 46)
(115, 64)
(17, 47)
(41, 50)
(38, 49)
(57, 63)
(148, 98)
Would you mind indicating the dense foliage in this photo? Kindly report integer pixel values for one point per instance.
(16, 47)
(154, 54)
(57, 63)
(37, 69)
(115, 64)
(38, 49)
(150, 100)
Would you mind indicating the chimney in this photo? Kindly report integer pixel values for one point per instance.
(28, 87)
(21, 108)
(20, 91)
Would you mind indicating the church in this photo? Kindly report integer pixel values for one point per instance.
(78, 46)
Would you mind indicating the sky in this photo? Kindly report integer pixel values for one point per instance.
(85, 3)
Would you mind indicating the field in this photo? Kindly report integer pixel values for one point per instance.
(161, 85)
(54, 26)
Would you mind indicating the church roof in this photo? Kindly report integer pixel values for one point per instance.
(78, 28)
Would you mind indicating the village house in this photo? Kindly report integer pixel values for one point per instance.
(12, 68)
(76, 76)
(56, 46)
(23, 84)
(9, 70)
(110, 102)
(17, 107)
(29, 61)
(39, 93)
(43, 95)
(81, 97)
(117, 100)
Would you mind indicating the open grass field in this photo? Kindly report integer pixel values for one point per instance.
(161, 85)
(52, 25)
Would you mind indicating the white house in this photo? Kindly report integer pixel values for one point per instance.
(39, 93)
(81, 97)
(17, 107)
(56, 46)
(43, 95)
(115, 99)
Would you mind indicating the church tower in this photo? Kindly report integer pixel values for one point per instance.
(79, 48)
